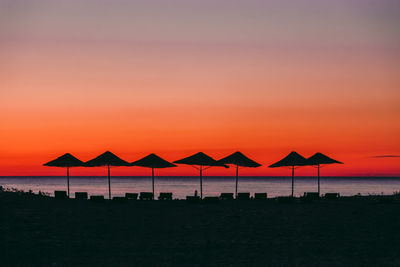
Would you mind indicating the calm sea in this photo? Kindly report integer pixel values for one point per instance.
(212, 186)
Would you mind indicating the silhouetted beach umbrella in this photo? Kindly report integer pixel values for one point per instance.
(106, 159)
(319, 159)
(153, 161)
(65, 161)
(238, 159)
(291, 160)
(202, 160)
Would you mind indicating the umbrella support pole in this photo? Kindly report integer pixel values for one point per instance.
(201, 182)
(109, 182)
(292, 181)
(237, 179)
(318, 181)
(68, 180)
(152, 180)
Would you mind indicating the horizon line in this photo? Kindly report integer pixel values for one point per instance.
(244, 176)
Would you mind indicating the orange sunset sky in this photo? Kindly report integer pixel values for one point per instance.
(178, 77)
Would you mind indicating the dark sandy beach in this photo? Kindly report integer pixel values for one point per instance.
(43, 231)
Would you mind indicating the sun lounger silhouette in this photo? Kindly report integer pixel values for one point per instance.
(146, 196)
(211, 199)
(60, 194)
(243, 196)
(81, 195)
(311, 195)
(331, 195)
(226, 196)
(165, 196)
(97, 198)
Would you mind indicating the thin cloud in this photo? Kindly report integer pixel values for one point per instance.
(386, 156)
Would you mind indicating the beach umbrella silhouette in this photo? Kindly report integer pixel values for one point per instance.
(238, 159)
(319, 159)
(154, 162)
(292, 160)
(65, 161)
(203, 162)
(106, 159)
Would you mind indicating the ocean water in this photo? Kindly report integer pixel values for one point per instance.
(212, 186)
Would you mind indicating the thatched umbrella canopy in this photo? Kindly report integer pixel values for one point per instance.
(106, 159)
(65, 161)
(153, 161)
(291, 160)
(319, 159)
(238, 159)
(203, 162)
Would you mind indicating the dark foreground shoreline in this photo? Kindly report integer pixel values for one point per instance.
(352, 231)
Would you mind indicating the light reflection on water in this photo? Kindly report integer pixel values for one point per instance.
(212, 186)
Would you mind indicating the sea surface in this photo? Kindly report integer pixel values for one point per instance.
(212, 186)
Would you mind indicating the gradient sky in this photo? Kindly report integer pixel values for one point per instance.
(178, 77)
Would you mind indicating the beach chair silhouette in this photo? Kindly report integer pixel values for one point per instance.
(146, 196)
(81, 195)
(60, 194)
(311, 195)
(243, 196)
(211, 199)
(331, 196)
(165, 196)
